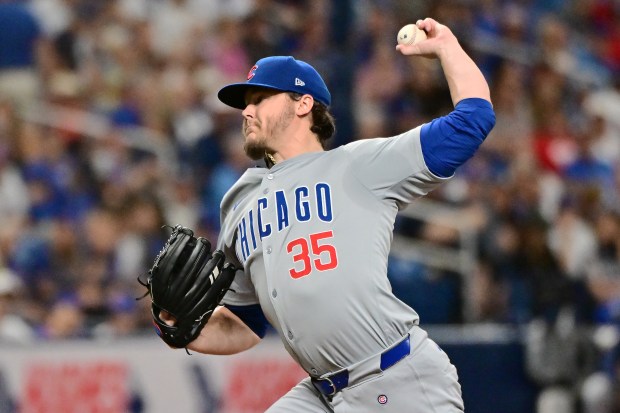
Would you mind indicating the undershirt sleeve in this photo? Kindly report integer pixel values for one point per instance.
(252, 316)
(449, 141)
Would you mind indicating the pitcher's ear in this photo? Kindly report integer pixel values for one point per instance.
(304, 105)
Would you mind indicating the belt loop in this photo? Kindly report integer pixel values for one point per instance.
(332, 387)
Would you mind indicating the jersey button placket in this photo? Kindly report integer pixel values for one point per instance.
(268, 250)
(267, 254)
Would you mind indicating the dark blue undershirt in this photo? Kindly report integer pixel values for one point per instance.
(448, 142)
(252, 316)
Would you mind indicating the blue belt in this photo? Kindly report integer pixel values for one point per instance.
(332, 384)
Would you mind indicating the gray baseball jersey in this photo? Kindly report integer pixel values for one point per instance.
(313, 235)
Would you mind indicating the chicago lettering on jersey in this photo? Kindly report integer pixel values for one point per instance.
(302, 204)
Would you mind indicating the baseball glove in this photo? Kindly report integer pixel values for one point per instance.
(188, 282)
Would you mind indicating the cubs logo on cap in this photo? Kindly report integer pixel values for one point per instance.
(283, 73)
(252, 72)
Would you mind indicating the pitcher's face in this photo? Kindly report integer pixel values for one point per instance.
(265, 119)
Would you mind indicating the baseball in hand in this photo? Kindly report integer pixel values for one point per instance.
(410, 34)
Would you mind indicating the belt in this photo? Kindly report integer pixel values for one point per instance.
(332, 384)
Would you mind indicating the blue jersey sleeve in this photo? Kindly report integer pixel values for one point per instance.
(252, 316)
(448, 142)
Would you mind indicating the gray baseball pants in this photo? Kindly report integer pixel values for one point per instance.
(423, 382)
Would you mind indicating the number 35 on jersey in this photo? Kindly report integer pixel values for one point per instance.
(303, 204)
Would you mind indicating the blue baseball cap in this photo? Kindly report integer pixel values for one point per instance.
(283, 73)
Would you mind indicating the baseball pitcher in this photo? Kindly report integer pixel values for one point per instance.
(305, 241)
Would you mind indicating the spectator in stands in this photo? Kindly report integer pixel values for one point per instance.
(123, 321)
(65, 320)
(13, 328)
(20, 37)
(14, 198)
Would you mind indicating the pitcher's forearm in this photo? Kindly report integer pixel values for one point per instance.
(224, 334)
(465, 79)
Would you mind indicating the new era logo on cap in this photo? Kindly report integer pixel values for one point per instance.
(283, 73)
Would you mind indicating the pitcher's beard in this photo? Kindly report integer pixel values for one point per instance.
(258, 147)
(255, 150)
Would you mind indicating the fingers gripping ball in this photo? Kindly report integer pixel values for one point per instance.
(187, 281)
(410, 34)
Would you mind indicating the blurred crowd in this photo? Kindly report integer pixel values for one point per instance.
(110, 129)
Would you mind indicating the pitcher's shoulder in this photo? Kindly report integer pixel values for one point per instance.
(249, 181)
